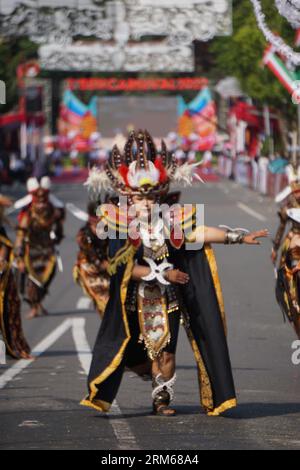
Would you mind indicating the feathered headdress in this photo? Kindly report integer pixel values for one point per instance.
(35, 186)
(141, 169)
(293, 175)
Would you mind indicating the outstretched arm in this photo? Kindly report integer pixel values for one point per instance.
(204, 235)
(216, 235)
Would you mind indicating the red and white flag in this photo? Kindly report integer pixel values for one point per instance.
(279, 69)
(297, 38)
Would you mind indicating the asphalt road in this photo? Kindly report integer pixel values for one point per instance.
(39, 401)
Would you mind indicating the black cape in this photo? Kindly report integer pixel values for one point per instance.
(117, 345)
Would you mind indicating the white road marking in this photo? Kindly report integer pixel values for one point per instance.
(84, 303)
(125, 438)
(252, 212)
(30, 424)
(82, 346)
(224, 189)
(122, 431)
(47, 342)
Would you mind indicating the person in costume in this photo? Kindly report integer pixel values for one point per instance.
(10, 304)
(90, 271)
(286, 250)
(157, 281)
(39, 233)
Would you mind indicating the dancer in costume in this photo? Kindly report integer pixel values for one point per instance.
(90, 271)
(286, 250)
(39, 233)
(156, 279)
(10, 304)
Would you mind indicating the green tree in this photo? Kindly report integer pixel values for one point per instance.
(241, 54)
(12, 53)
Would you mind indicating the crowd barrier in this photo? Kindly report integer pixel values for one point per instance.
(252, 174)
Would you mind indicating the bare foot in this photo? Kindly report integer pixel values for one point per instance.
(163, 410)
(34, 313)
(26, 356)
(43, 311)
(297, 326)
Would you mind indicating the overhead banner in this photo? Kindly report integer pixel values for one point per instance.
(136, 84)
(115, 57)
(180, 21)
(140, 35)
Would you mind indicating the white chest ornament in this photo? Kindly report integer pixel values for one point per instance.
(152, 304)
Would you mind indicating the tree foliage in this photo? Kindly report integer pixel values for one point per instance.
(238, 55)
(241, 54)
(12, 53)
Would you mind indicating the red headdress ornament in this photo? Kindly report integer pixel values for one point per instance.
(141, 169)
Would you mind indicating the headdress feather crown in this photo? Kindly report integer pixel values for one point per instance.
(141, 169)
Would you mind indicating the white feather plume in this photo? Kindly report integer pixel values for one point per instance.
(20, 204)
(291, 174)
(78, 213)
(186, 172)
(56, 202)
(136, 176)
(283, 194)
(98, 181)
(45, 183)
(32, 184)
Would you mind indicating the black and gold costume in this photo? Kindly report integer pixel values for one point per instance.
(163, 273)
(201, 305)
(89, 270)
(142, 318)
(40, 230)
(287, 250)
(10, 304)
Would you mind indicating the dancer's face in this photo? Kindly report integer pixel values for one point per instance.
(144, 205)
(40, 199)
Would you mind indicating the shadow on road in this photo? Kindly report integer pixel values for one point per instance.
(63, 353)
(263, 410)
(244, 411)
(235, 369)
(68, 313)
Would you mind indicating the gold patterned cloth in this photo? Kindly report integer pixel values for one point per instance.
(40, 231)
(202, 302)
(89, 271)
(288, 280)
(10, 305)
(153, 318)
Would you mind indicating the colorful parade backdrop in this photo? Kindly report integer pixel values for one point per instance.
(77, 122)
(197, 121)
